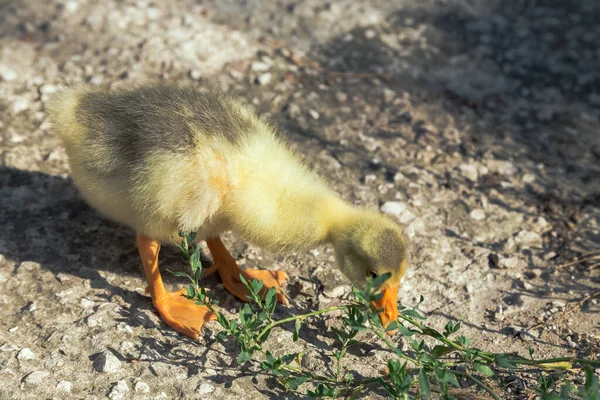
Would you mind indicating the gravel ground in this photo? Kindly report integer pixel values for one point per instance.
(475, 123)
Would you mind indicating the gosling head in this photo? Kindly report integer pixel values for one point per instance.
(371, 244)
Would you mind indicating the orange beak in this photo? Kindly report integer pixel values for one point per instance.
(389, 303)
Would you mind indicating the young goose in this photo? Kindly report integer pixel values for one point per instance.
(162, 158)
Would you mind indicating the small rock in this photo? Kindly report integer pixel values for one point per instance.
(528, 178)
(87, 303)
(119, 391)
(341, 97)
(195, 74)
(8, 347)
(25, 354)
(502, 167)
(314, 115)
(509, 262)
(536, 272)
(64, 386)
(19, 104)
(205, 388)
(370, 179)
(469, 171)
(107, 362)
(394, 208)
(36, 377)
(337, 291)
(528, 238)
(264, 79)
(259, 66)
(388, 94)
(13, 329)
(549, 255)
(477, 214)
(7, 74)
(559, 303)
(293, 110)
(141, 387)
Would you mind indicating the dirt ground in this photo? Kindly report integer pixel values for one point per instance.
(475, 123)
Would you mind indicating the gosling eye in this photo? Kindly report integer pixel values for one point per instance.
(372, 274)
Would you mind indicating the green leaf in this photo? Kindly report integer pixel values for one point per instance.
(298, 324)
(271, 300)
(503, 362)
(440, 351)
(414, 314)
(294, 383)
(484, 369)
(451, 379)
(404, 331)
(180, 274)
(244, 357)
(424, 384)
(392, 326)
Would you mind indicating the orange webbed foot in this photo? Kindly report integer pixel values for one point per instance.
(182, 314)
(229, 272)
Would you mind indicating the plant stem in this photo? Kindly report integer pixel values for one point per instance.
(300, 317)
(584, 361)
(478, 383)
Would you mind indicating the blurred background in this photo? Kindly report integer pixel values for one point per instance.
(474, 123)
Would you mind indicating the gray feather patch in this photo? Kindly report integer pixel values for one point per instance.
(132, 123)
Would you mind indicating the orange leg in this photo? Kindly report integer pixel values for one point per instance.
(178, 312)
(229, 272)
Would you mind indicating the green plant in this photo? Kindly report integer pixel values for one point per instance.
(413, 374)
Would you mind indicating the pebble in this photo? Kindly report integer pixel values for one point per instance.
(195, 74)
(37, 377)
(19, 104)
(87, 303)
(259, 66)
(25, 354)
(469, 171)
(264, 79)
(559, 303)
(107, 362)
(394, 208)
(477, 214)
(293, 110)
(141, 387)
(341, 97)
(528, 238)
(13, 329)
(314, 115)
(119, 391)
(7, 74)
(64, 386)
(205, 388)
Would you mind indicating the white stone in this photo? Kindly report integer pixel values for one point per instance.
(469, 171)
(259, 66)
(264, 79)
(26, 354)
(141, 387)
(37, 377)
(394, 208)
(119, 391)
(87, 303)
(313, 114)
(528, 238)
(7, 74)
(19, 104)
(477, 214)
(205, 388)
(195, 74)
(64, 386)
(107, 362)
